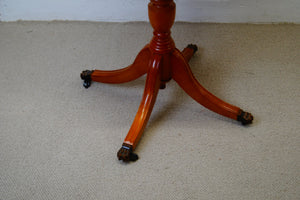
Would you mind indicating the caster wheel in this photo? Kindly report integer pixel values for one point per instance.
(126, 155)
(245, 117)
(86, 77)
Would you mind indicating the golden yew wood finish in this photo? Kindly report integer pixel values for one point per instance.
(151, 90)
(138, 68)
(162, 61)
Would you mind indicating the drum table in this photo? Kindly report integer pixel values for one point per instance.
(161, 61)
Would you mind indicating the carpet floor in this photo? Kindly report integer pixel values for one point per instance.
(59, 140)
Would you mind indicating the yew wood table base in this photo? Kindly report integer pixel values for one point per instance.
(161, 61)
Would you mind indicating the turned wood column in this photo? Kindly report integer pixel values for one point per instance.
(162, 15)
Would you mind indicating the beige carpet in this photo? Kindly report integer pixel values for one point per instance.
(59, 140)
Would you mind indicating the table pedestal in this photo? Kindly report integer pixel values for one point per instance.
(161, 61)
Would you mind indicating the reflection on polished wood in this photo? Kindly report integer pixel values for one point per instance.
(161, 61)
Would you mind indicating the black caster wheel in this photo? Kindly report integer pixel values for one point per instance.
(86, 77)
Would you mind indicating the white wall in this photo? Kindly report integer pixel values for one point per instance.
(255, 11)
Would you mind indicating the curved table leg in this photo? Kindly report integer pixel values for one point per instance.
(189, 51)
(183, 75)
(150, 93)
(139, 67)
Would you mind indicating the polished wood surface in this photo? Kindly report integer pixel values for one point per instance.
(137, 69)
(151, 90)
(183, 75)
(161, 61)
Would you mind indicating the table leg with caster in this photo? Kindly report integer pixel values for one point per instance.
(137, 69)
(183, 75)
(144, 112)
